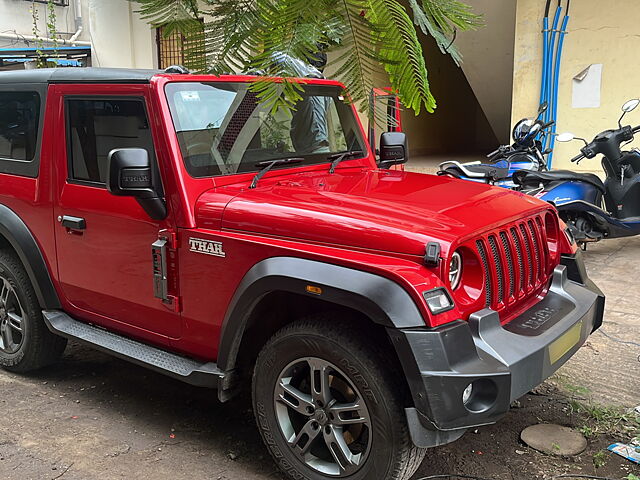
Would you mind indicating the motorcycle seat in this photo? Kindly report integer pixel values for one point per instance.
(487, 171)
(529, 177)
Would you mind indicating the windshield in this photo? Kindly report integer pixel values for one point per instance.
(222, 129)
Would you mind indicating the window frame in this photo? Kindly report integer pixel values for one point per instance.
(67, 122)
(27, 168)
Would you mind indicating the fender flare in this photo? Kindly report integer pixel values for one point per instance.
(381, 299)
(17, 234)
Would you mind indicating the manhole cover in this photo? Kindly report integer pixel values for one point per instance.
(554, 439)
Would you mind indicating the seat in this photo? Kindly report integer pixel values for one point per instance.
(492, 172)
(529, 177)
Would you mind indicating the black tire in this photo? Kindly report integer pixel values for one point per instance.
(33, 346)
(391, 454)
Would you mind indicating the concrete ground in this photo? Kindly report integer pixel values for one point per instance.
(93, 417)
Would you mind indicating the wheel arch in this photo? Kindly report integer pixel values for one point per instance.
(15, 234)
(366, 295)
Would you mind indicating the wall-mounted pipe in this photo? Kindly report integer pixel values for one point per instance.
(552, 41)
(31, 38)
(556, 82)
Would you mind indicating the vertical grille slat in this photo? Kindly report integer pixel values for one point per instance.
(542, 234)
(497, 261)
(515, 261)
(536, 251)
(488, 291)
(507, 253)
(527, 249)
(516, 241)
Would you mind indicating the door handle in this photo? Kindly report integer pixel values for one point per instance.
(74, 223)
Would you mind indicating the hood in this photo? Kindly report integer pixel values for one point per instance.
(384, 210)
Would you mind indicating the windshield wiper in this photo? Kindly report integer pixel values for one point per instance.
(269, 164)
(338, 157)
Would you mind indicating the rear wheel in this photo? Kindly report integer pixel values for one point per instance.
(25, 342)
(328, 407)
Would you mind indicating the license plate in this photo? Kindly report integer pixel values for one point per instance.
(565, 343)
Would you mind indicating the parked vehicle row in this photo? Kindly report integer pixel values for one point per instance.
(525, 153)
(592, 209)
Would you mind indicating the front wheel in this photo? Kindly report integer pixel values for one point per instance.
(25, 342)
(328, 406)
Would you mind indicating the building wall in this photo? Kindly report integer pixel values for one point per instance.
(599, 33)
(120, 37)
(488, 61)
(15, 17)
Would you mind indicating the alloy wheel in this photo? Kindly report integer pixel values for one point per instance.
(11, 319)
(323, 417)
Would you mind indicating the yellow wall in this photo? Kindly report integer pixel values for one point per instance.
(599, 32)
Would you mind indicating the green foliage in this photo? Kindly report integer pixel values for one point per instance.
(603, 419)
(366, 36)
(600, 459)
(51, 32)
(631, 476)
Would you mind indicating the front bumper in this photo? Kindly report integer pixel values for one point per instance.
(503, 361)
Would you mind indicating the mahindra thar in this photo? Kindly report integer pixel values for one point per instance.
(174, 221)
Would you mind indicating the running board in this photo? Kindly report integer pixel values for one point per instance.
(182, 368)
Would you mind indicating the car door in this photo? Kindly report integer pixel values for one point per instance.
(104, 241)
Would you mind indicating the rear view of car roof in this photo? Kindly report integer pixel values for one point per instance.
(77, 75)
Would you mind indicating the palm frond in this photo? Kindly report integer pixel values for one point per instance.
(367, 37)
(400, 51)
(441, 18)
(172, 15)
(356, 61)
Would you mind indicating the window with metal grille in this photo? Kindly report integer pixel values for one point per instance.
(178, 49)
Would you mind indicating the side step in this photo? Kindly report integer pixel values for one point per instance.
(182, 368)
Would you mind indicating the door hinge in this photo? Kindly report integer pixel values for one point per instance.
(164, 256)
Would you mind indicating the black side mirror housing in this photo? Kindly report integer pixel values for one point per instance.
(394, 149)
(130, 174)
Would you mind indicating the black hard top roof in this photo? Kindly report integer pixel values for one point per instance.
(77, 75)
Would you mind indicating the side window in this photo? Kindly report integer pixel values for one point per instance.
(19, 117)
(97, 126)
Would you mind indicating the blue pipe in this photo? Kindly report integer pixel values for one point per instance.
(549, 70)
(545, 53)
(556, 84)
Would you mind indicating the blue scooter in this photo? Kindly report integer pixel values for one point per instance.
(525, 153)
(594, 210)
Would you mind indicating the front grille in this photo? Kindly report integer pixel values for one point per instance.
(514, 261)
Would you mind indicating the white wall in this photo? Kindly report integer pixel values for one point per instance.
(15, 17)
(119, 37)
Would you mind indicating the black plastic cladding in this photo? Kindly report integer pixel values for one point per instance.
(379, 298)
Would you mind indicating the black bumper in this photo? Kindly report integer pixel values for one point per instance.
(503, 362)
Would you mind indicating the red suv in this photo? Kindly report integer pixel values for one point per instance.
(174, 221)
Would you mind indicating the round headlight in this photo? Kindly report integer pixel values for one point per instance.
(455, 270)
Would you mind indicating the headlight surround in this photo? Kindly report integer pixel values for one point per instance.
(455, 270)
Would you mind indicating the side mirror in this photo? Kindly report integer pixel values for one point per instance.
(631, 105)
(130, 175)
(565, 137)
(394, 149)
(544, 106)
